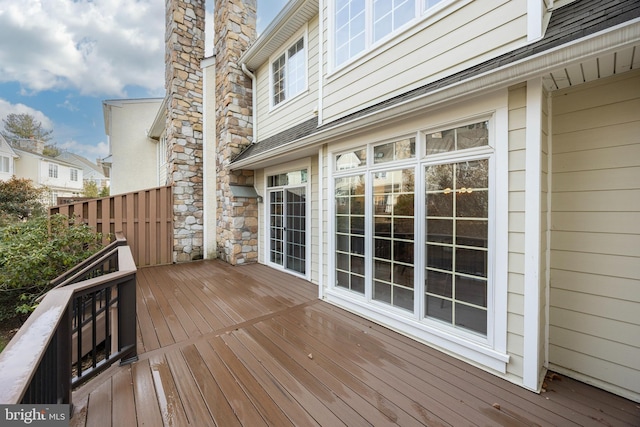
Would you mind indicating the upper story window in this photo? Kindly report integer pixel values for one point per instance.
(53, 170)
(5, 165)
(289, 72)
(73, 174)
(359, 24)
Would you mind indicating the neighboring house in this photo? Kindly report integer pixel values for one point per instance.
(90, 171)
(133, 155)
(7, 159)
(463, 172)
(62, 179)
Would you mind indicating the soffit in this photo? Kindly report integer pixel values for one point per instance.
(293, 16)
(597, 67)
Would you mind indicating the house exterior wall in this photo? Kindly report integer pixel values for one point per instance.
(134, 157)
(595, 246)
(457, 36)
(271, 119)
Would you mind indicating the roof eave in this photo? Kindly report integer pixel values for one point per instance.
(279, 30)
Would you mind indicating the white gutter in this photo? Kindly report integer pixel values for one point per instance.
(254, 102)
(622, 35)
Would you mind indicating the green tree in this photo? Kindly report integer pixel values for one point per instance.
(20, 200)
(104, 192)
(33, 253)
(24, 126)
(51, 150)
(90, 189)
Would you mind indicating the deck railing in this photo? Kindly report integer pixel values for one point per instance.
(81, 327)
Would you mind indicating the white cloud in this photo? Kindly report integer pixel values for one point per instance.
(97, 47)
(7, 108)
(91, 152)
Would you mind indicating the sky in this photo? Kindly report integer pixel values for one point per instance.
(59, 59)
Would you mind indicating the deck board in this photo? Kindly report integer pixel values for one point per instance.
(248, 346)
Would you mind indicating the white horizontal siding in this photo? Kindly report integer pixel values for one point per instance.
(435, 48)
(271, 120)
(595, 242)
(515, 306)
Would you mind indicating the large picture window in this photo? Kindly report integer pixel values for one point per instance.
(359, 24)
(426, 253)
(288, 73)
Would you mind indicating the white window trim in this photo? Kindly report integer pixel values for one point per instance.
(424, 17)
(9, 163)
(53, 169)
(304, 35)
(490, 351)
(276, 170)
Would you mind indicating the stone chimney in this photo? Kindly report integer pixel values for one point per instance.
(237, 216)
(184, 40)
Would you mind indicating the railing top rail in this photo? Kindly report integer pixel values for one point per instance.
(89, 262)
(21, 357)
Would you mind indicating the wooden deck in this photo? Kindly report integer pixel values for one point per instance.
(230, 346)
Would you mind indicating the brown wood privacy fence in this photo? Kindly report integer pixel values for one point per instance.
(144, 217)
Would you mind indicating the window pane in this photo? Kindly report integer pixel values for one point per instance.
(472, 233)
(456, 242)
(439, 283)
(430, 3)
(440, 230)
(438, 308)
(296, 69)
(389, 15)
(461, 138)
(349, 224)
(399, 150)
(278, 80)
(471, 290)
(393, 219)
(440, 142)
(476, 135)
(349, 29)
(471, 261)
(471, 318)
(351, 160)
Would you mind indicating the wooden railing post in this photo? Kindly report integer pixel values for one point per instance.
(127, 320)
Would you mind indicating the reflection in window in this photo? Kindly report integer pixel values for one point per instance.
(289, 178)
(352, 159)
(350, 253)
(399, 150)
(457, 206)
(393, 238)
(461, 138)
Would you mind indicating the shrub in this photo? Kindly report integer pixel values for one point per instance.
(33, 253)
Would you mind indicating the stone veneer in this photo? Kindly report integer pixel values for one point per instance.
(237, 217)
(184, 38)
